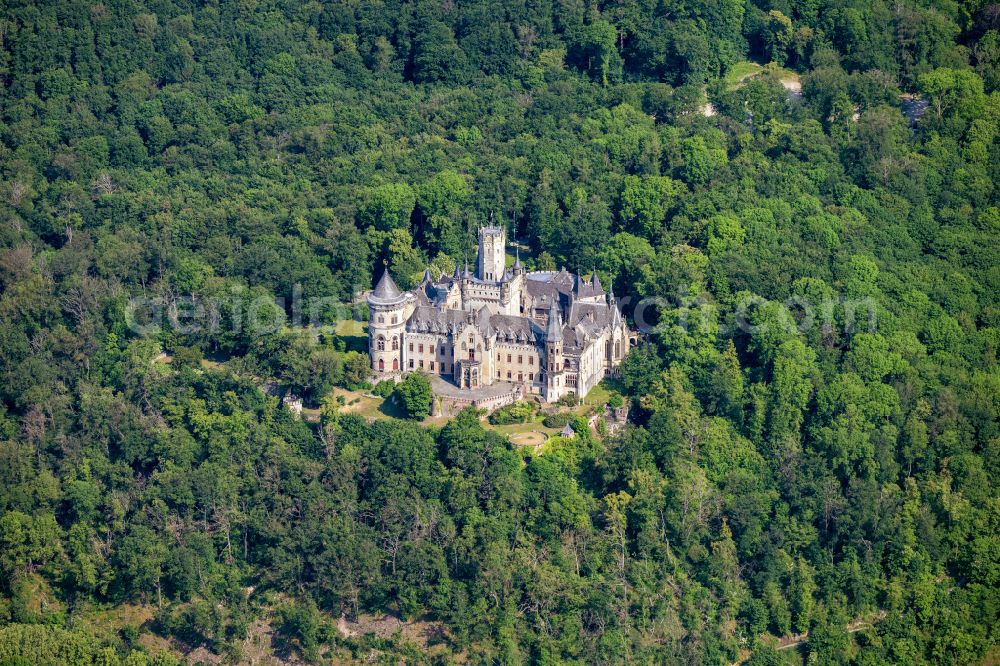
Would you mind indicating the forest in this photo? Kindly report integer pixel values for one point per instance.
(808, 194)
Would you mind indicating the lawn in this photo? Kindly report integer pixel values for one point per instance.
(354, 334)
(533, 433)
(740, 71)
(597, 397)
(746, 69)
(368, 406)
(373, 407)
(535, 439)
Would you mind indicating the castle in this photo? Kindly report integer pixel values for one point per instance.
(548, 333)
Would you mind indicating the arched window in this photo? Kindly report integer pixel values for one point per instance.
(618, 349)
(395, 343)
(380, 343)
(395, 364)
(381, 365)
(381, 319)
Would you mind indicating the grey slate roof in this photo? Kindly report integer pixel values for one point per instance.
(386, 292)
(589, 288)
(570, 320)
(516, 329)
(595, 280)
(553, 329)
(483, 322)
(430, 319)
(592, 315)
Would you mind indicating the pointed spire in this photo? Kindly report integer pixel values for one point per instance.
(427, 274)
(483, 321)
(517, 257)
(616, 316)
(553, 331)
(386, 291)
(457, 274)
(595, 282)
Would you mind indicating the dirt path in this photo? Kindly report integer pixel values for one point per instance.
(789, 642)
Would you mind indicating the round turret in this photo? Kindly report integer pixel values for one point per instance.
(387, 306)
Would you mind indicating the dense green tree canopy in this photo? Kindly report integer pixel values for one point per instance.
(796, 202)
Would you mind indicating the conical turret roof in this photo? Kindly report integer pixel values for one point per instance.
(386, 292)
(553, 331)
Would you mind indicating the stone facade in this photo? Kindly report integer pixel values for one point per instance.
(549, 332)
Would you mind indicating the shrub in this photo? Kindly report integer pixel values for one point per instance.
(414, 395)
(559, 420)
(302, 623)
(187, 357)
(568, 400)
(384, 388)
(518, 412)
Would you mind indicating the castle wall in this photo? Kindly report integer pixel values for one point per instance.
(469, 339)
(451, 405)
(454, 299)
(429, 352)
(592, 364)
(522, 363)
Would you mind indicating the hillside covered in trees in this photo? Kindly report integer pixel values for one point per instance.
(815, 441)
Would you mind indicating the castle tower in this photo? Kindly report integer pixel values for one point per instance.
(619, 344)
(389, 308)
(491, 254)
(554, 380)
